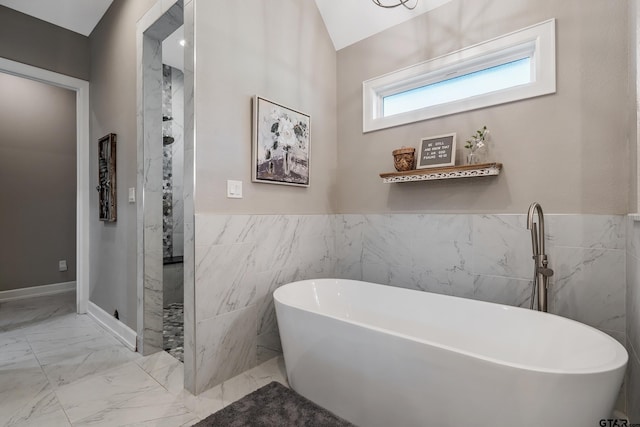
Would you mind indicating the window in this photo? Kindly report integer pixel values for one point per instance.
(516, 66)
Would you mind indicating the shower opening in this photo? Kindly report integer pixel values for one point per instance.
(172, 195)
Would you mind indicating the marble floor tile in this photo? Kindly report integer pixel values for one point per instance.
(13, 348)
(61, 369)
(155, 361)
(121, 396)
(21, 313)
(65, 368)
(20, 383)
(165, 369)
(43, 409)
(47, 344)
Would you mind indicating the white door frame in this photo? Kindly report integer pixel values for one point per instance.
(83, 179)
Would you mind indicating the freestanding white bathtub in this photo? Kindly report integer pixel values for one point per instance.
(383, 356)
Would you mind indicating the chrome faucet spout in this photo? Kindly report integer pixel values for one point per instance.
(541, 270)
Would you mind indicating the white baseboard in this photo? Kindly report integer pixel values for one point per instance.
(122, 332)
(37, 291)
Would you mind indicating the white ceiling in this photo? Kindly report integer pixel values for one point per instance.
(80, 16)
(347, 21)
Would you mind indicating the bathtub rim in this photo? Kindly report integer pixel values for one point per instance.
(619, 361)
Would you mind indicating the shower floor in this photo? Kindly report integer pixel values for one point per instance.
(173, 330)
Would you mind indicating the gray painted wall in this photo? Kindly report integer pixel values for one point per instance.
(279, 50)
(32, 41)
(38, 172)
(568, 150)
(113, 109)
(632, 106)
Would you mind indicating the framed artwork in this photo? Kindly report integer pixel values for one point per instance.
(437, 151)
(107, 178)
(281, 142)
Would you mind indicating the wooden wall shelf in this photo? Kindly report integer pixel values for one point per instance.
(432, 174)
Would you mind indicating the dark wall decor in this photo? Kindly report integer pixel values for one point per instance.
(281, 141)
(437, 151)
(107, 178)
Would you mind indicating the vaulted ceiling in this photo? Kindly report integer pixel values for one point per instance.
(347, 21)
(80, 16)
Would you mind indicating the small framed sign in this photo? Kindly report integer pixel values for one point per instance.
(437, 151)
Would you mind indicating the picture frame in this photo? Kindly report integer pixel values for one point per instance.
(107, 189)
(281, 144)
(436, 151)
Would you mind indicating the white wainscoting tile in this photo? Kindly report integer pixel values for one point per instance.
(501, 246)
(589, 286)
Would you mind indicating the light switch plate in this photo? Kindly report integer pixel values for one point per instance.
(132, 195)
(234, 189)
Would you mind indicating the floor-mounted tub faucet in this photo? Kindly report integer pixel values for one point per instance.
(541, 272)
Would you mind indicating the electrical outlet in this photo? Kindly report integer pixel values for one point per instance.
(62, 265)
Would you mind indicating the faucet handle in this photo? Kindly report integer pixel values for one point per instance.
(545, 271)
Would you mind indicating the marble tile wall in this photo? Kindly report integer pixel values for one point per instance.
(172, 283)
(160, 21)
(239, 261)
(488, 257)
(242, 259)
(177, 160)
(173, 162)
(188, 193)
(167, 165)
(633, 319)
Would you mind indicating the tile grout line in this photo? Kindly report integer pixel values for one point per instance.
(53, 389)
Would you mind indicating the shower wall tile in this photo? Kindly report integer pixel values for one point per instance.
(178, 214)
(633, 387)
(190, 370)
(501, 246)
(586, 231)
(172, 284)
(224, 274)
(349, 235)
(240, 261)
(226, 347)
(423, 252)
(178, 244)
(633, 301)
(224, 229)
(633, 319)
(386, 251)
(441, 254)
(633, 237)
(488, 257)
(589, 286)
(502, 290)
(269, 346)
(278, 241)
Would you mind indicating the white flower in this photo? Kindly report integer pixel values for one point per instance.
(287, 136)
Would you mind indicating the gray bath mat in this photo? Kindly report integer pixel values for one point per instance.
(273, 405)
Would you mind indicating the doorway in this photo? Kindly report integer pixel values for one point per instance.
(158, 24)
(81, 89)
